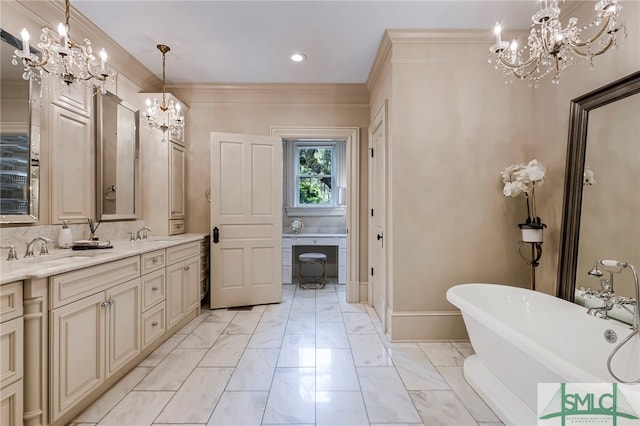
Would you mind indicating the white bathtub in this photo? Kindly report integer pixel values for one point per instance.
(522, 338)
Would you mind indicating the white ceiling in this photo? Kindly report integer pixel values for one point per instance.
(251, 41)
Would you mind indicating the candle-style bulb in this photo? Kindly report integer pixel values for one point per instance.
(103, 60)
(62, 34)
(25, 41)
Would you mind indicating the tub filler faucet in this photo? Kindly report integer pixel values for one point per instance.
(610, 299)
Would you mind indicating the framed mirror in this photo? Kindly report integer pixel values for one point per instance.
(117, 158)
(602, 187)
(20, 102)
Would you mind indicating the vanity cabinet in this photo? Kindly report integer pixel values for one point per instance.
(11, 350)
(72, 154)
(92, 336)
(163, 166)
(290, 241)
(183, 281)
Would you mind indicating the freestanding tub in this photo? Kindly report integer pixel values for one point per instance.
(522, 338)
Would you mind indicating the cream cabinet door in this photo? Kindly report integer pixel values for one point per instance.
(77, 351)
(192, 283)
(72, 165)
(176, 181)
(123, 324)
(175, 298)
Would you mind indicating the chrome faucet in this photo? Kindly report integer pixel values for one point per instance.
(608, 296)
(44, 250)
(141, 234)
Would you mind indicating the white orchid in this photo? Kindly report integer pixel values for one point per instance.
(521, 178)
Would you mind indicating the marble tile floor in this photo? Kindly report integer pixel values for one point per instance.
(311, 360)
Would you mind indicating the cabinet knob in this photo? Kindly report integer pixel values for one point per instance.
(154, 324)
(104, 304)
(154, 288)
(154, 260)
(186, 268)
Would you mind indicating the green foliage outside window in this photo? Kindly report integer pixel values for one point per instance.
(315, 178)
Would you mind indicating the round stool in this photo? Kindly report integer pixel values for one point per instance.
(307, 260)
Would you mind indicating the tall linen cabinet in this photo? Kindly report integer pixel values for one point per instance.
(162, 170)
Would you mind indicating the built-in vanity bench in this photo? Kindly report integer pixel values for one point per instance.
(290, 241)
(74, 322)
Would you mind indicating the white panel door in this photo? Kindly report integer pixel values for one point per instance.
(246, 220)
(377, 204)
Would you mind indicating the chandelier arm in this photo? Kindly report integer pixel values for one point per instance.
(599, 52)
(513, 66)
(574, 43)
(525, 75)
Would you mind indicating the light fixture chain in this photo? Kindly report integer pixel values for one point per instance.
(67, 15)
(164, 82)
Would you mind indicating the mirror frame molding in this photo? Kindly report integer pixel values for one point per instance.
(576, 152)
(100, 158)
(33, 128)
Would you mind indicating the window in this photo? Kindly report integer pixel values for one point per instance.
(315, 181)
(314, 172)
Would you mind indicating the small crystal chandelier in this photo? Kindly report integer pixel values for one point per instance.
(61, 57)
(164, 116)
(551, 48)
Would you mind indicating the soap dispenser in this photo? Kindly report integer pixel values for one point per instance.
(65, 239)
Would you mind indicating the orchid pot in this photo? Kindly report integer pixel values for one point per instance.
(532, 231)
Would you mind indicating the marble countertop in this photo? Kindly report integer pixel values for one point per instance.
(315, 235)
(64, 260)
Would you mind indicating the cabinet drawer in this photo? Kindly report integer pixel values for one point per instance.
(153, 288)
(11, 405)
(182, 252)
(153, 324)
(306, 241)
(10, 301)
(153, 261)
(11, 351)
(75, 285)
(176, 227)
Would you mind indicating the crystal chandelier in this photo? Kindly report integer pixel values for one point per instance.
(61, 57)
(164, 116)
(550, 48)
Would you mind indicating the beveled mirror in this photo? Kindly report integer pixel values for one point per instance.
(117, 158)
(19, 138)
(601, 208)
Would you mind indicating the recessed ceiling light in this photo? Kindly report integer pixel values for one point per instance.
(298, 57)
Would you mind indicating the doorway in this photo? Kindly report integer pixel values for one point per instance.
(351, 196)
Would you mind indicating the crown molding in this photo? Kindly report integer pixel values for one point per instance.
(273, 93)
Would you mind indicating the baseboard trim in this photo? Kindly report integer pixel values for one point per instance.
(426, 326)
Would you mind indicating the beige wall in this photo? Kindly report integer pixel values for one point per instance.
(449, 138)
(549, 142)
(254, 109)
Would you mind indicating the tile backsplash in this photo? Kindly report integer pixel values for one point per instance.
(18, 236)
